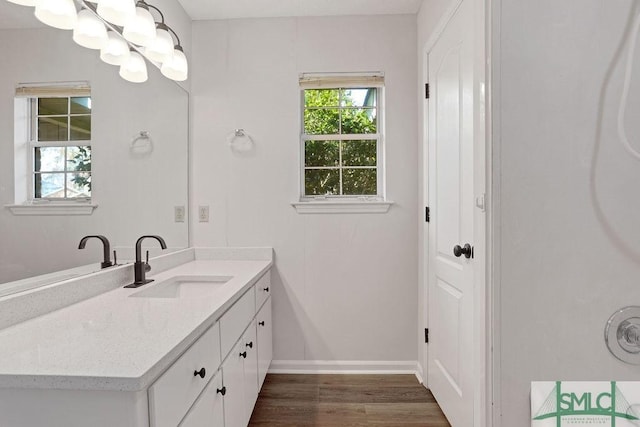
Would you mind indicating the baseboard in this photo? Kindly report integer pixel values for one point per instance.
(420, 374)
(343, 367)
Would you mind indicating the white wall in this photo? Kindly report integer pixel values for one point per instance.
(125, 188)
(345, 285)
(568, 239)
(429, 19)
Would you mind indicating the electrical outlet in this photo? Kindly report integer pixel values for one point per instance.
(178, 213)
(203, 213)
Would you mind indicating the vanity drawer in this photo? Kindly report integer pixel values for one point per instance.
(263, 289)
(171, 396)
(235, 321)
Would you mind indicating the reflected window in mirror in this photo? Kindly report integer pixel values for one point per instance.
(58, 144)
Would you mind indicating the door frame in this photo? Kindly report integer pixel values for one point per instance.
(486, 330)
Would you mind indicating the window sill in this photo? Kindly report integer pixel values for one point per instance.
(48, 209)
(342, 206)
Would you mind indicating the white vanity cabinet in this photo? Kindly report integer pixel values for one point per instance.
(213, 382)
(227, 399)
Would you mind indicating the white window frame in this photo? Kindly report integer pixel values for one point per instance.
(26, 141)
(344, 203)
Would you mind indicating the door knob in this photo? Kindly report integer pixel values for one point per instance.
(465, 250)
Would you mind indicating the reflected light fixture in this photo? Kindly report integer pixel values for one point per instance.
(60, 14)
(123, 31)
(134, 68)
(116, 50)
(89, 31)
(118, 12)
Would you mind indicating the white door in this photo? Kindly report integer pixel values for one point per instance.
(233, 379)
(450, 306)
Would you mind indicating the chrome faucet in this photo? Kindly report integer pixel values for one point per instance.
(106, 261)
(140, 268)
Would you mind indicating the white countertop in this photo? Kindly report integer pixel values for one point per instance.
(113, 342)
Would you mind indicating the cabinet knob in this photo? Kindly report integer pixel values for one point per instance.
(261, 323)
(244, 354)
(202, 372)
(222, 390)
(250, 345)
(266, 289)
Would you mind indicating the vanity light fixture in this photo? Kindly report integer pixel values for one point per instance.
(134, 68)
(116, 51)
(60, 14)
(117, 12)
(123, 31)
(89, 31)
(141, 28)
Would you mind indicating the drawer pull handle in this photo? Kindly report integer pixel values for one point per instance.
(202, 372)
(222, 390)
(250, 345)
(244, 354)
(266, 289)
(261, 323)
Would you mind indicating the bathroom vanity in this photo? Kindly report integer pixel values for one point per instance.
(191, 348)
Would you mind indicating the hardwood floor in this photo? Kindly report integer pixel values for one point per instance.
(345, 401)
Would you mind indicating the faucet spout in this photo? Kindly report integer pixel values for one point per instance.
(139, 267)
(106, 258)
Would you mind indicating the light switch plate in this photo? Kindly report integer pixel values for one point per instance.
(178, 213)
(203, 213)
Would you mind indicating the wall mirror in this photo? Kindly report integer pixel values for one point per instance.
(136, 183)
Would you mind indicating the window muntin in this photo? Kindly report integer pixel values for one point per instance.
(341, 142)
(61, 148)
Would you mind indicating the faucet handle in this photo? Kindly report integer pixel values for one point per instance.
(147, 267)
(115, 258)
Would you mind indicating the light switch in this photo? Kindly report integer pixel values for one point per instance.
(203, 213)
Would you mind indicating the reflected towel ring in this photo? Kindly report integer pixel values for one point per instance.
(240, 140)
(141, 144)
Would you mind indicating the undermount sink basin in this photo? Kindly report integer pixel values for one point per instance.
(184, 287)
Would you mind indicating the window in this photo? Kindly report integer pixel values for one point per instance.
(341, 137)
(59, 144)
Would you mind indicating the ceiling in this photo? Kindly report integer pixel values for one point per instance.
(15, 16)
(231, 9)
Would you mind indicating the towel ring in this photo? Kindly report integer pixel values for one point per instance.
(240, 140)
(141, 144)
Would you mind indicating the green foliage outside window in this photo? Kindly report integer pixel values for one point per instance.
(338, 166)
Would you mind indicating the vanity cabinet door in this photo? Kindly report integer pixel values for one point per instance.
(208, 409)
(265, 343)
(171, 396)
(233, 379)
(250, 369)
(263, 289)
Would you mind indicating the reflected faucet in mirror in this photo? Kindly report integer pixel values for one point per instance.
(140, 268)
(106, 247)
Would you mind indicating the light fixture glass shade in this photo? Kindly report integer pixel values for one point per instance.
(90, 32)
(176, 67)
(134, 69)
(141, 28)
(117, 12)
(24, 2)
(161, 48)
(60, 14)
(116, 51)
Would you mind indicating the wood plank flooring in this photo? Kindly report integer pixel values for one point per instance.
(345, 401)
